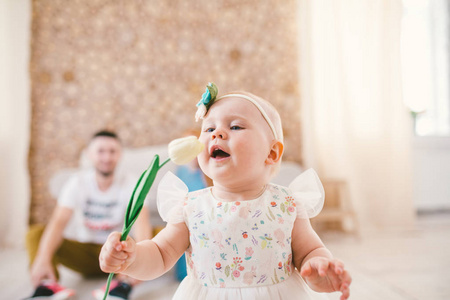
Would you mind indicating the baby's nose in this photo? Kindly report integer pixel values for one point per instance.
(218, 134)
(215, 136)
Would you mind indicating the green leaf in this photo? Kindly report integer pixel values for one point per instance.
(139, 194)
(271, 214)
(212, 88)
(214, 280)
(276, 277)
(227, 271)
(136, 203)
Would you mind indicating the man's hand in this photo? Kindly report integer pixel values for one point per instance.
(325, 275)
(117, 256)
(41, 270)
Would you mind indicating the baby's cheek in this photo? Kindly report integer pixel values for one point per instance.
(202, 160)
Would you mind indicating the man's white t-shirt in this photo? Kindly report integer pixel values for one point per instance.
(96, 213)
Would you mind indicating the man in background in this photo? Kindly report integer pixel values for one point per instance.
(90, 206)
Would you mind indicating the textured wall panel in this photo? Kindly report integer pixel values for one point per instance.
(139, 67)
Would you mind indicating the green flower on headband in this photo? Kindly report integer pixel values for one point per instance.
(208, 98)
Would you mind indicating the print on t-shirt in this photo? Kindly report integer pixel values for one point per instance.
(99, 215)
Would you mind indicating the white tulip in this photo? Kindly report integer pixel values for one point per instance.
(183, 150)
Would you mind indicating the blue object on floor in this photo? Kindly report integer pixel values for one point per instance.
(180, 268)
(195, 180)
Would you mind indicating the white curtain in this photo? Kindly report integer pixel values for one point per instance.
(15, 18)
(356, 126)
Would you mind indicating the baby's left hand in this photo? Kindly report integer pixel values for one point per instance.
(327, 275)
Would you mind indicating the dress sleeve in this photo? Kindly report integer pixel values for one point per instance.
(308, 193)
(171, 195)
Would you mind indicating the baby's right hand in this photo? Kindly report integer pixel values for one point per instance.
(117, 256)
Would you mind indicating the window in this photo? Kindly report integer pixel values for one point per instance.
(425, 65)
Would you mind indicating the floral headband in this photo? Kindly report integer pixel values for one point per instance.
(209, 97)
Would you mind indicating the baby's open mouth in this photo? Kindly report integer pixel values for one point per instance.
(219, 153)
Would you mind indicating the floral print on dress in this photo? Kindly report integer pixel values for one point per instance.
(242, 243)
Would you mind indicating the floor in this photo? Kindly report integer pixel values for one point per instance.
(406, 265)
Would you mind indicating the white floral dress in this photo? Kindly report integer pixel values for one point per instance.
(241, 250)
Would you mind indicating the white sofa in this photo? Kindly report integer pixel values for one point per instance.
(136, 160)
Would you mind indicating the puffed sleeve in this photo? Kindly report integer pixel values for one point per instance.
(170, 198)
(308, 193)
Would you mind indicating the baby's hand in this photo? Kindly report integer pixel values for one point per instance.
(325, 275)
(117, 256)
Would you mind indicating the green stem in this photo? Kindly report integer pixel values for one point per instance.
(167, 160)
(110, 277)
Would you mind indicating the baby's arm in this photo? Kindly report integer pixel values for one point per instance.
(321, 271)
(147, 259)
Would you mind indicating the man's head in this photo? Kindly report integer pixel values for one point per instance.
(104, 152)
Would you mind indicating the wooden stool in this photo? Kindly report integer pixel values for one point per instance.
(337, 209)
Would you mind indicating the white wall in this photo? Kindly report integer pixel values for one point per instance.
(15, 25)
(431, 178)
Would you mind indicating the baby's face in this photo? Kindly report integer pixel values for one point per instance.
(237, 142)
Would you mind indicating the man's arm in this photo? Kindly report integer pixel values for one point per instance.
(49, 243)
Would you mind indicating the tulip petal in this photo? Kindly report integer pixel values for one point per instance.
(183, 150)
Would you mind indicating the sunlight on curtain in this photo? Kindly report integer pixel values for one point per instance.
(14, 121)
(356, 126)
(425, 62)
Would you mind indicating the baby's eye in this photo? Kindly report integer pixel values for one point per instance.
(209, 129)
(236, 127)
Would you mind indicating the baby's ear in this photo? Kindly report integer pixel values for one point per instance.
(276, 151)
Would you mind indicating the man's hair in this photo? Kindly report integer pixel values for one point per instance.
(106, 133)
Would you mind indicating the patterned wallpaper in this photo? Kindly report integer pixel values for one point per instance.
(139, 67)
